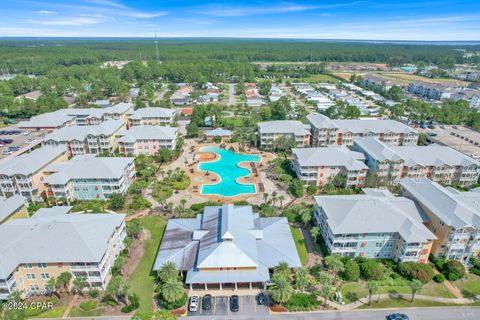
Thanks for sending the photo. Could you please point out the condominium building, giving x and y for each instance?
(24, 174)
(454, 217)
(152, 116)
(432, 91)
(374, 225)
(228, 246)
(270, 131)
(377, 82)
(146, 139)
(54, 241)
(327, 132)
(78, 116)
(320, 166)
(94, 139)
(13, 207)
(88, 177)
(439, 163)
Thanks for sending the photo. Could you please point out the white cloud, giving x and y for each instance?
(45, 12)
(73, 21)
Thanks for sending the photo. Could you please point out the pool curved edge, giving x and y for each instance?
(220, 177)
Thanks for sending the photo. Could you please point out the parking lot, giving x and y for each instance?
(221, 307)
(19, 140)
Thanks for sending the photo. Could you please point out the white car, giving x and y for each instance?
(30, 141)
(7, 152)
(26, 133)
(193, 306)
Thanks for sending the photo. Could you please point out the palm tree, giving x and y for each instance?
(324, 278)
(182, 203)
(325, 291)
(52, 286)
(281, 198)
(168, 271)
(63, 280)
(372, 288)
(284, 269)
(280, 288)
(265, 197)
(79, 283)
(315, 232)
(301, 278)
(306, 216)
(415, 285)
(335, 265)
(274, 199)
(172, 290)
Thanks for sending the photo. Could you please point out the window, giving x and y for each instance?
(30, 276)
(20, 280)
(45, 276)
(42, 265)
(27, 266)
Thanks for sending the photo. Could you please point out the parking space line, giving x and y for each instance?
(240, 304)
(214, 304)
(255, 304)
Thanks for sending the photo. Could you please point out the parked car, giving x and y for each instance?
(397, 316)
(2, 143)
(6, 152)
(431, 134)
(455, 127)
(28, 141)
(14, 148)
(431, 126)
(261, 299)
(423, 126)
(26, 133)
(234, 303)
(193, 306)
(7, 141)
(207, 302)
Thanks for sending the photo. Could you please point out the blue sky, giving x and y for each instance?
(333, 19)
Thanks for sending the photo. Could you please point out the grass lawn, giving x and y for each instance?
(469, 286)
(77, 312)
(352, 291)
(56, 312)
(300, 244)
(402, 303)
(142, 279)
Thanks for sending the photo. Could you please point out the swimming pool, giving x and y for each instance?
(227, 168)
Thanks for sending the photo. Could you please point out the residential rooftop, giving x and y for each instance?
(432, 155)
(153, 112)
(80, 133)
(147, 133)
(30, 163)
(359, 126)
(455, 208)
(284, 126)
(330, 156)
(87, 166)
(376, 211)
(10, 205)
(53, 239)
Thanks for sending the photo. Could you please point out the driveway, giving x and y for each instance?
(231, 94)
(221, 307)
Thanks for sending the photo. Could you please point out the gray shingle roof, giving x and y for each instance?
(147, 133)
(29, 163)
(227, 236)
(10, 205)
(87, 167)
(375, 212)
(331, 156)
(359, 126)
(80, 133)
(432, 155)
(284, 126)
(457, 209)
(61, 238)
(153, 112)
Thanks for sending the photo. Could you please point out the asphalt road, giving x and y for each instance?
(447, 313)
(231, 94)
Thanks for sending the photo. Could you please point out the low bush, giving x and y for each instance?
(371, 269)
(93, 293)
(454, 270)
(302, 301)
(351, 271)
(175, 305)
(439, 278)
(419, 271)
(88, 305)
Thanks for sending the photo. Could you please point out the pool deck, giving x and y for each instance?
(195, 173)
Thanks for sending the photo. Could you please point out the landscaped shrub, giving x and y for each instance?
(88, 305)
(419, 271)
(134, 304)
(454, 270)
(311, 189)
(176, 305)
(371, 269)
(93, 293)
(439, 263)
(351, 271)
(439, 278)
(302, 301)
(475, 265)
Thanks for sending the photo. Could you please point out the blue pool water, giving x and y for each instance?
(229, 171)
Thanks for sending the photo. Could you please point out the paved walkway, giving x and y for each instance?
(453, 289)
(313, 257)
(69, 307)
